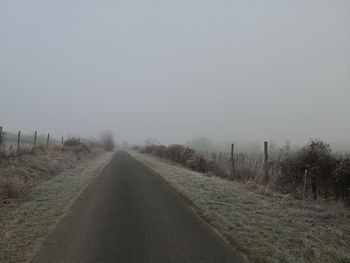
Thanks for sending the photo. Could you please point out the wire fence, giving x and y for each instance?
(16, 143)
(247, 165)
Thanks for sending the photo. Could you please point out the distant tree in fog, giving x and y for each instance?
(107, 141)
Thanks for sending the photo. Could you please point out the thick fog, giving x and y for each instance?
(177, 70)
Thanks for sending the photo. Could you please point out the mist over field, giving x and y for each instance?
(228, 71)
(224, 125)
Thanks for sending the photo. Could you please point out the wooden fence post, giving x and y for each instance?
(232, 160)
(18, 142)
(35, 134)
(48, 140)
(265, 162)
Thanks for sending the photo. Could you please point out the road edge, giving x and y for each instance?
(65, 210)
(198, 212)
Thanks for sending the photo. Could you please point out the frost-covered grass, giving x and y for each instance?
(18, 173)
(262, 225)
(23, 223)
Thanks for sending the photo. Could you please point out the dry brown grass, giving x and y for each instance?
(11, 188)
(19, 173)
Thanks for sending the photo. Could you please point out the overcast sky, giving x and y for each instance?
(175, 70)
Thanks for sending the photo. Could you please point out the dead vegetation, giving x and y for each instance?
(24, 222)
(259, 222)
(17, 173)
(184, 156)
(36, 187)
(292, 208)
(312, 171)
(11, 188)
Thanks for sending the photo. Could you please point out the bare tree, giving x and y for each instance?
(107, 141)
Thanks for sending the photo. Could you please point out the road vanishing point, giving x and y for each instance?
(129, 214)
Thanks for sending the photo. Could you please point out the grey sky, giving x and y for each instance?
(174, 70)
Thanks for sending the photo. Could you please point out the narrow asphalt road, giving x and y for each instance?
(128, 214)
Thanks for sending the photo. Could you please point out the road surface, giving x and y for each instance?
(129, 214)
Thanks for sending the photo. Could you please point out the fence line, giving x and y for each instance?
(245, 165)
(14, 144)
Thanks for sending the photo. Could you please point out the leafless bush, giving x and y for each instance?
(174, 153)
(311, 167)
(179, 154)
(198, 163)
(11, 188)
(341, 178)
(311, 171)
(72, 142)
(160, 150)
(75, 145)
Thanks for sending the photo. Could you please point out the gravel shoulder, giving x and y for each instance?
(24, 223)
(264, 226)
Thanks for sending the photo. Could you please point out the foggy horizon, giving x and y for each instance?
(229, 71)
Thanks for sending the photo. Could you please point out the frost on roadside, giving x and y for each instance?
(23, 223)
(264, 227)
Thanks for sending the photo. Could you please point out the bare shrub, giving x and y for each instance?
(312, 166)
(198, 163)
(159, 151)
(341, 177)
(82, 148)
(179, 154)
(75, 145)
(11, 188)
(187, 154)
(311, 171)
(174, 152)
(72, 142)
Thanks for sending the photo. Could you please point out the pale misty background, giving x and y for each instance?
(176, 70)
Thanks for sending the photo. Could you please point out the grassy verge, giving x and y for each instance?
(263, 225)
(18, 173)
(25, 221)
